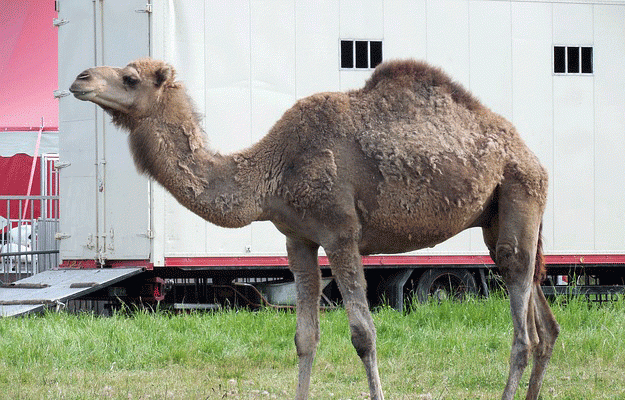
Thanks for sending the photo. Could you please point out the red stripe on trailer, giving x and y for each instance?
(90, 264)
(28, 128)
(428, 260)
(79, 264)
(372, 261)
(226, 261)
(323, 260)
(585, 259)
(130, 263)
(263, 261)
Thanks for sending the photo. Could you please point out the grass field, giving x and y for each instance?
(446, 351)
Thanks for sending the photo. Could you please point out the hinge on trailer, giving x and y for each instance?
(59, 22)
(61, 164)
(111, 246)
(61, 236)
(149, 234)
(90, 245)
(147, 9)
(61, 93)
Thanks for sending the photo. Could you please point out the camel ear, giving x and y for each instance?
(164, 74)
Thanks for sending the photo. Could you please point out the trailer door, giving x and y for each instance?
(105, 211)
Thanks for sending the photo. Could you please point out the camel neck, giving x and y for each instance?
(209, 184)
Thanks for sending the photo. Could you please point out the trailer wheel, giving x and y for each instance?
(442, 284)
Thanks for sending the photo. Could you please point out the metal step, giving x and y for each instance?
(54, 288)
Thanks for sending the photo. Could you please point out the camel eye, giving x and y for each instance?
(130, 81)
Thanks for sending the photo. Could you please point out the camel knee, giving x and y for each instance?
(520, 353)
(361, 327)
(306, 341)
(547, 342)
(363, 339)
(513, 260)
(507, 253)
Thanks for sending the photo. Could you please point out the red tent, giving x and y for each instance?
(28, 77)
(28, 65)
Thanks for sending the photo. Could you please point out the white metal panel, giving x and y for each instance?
(185, 232)
(448, 37)
(77, 189)
(573, 120)
(76, 34)
(361, 19)
(267, 240)
(317, 49)
(229, 103)
(76, 133)
(227, 241)
(572, 24)
(208, 43)
(228, 94)
(532, 90)
(448, 47)
(77, 224)
(490, 61)
(184, 27)
(252, 44)
(609, 71)
(273, 63)
(125, 206)
(157, 210)
(573, 175)
(105, 203)
(186, 50)
(405, 29)
(491, 55)
(353, 79)
(273, 87)
(159, 44)
(247, 62)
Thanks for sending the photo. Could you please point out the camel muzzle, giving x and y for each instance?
(80, 88)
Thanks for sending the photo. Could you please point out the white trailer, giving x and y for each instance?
(554, 68)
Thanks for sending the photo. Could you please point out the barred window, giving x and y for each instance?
(572, 60)
(360, 54)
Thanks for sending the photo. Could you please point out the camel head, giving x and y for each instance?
(131, 92)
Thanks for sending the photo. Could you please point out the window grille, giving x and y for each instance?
(360, 54)
(572, 60)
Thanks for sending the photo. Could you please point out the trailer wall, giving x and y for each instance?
(245, 63)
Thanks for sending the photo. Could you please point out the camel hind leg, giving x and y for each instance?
(513, 241)
(548, 330)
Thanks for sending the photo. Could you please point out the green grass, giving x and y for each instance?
(450, 351)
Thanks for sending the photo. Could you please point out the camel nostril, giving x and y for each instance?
(83, 76)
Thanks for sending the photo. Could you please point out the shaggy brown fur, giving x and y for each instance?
(406, 162)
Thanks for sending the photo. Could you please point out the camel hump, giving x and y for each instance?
(419, 75)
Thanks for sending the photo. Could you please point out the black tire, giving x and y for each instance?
(441, 284)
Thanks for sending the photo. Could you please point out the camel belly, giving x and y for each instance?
(408, 234)
(404, 217)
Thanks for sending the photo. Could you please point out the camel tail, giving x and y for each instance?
(540, 269)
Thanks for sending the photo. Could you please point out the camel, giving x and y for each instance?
(406, 162)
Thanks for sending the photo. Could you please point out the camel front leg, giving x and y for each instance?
(347, 269)
(303, 263)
